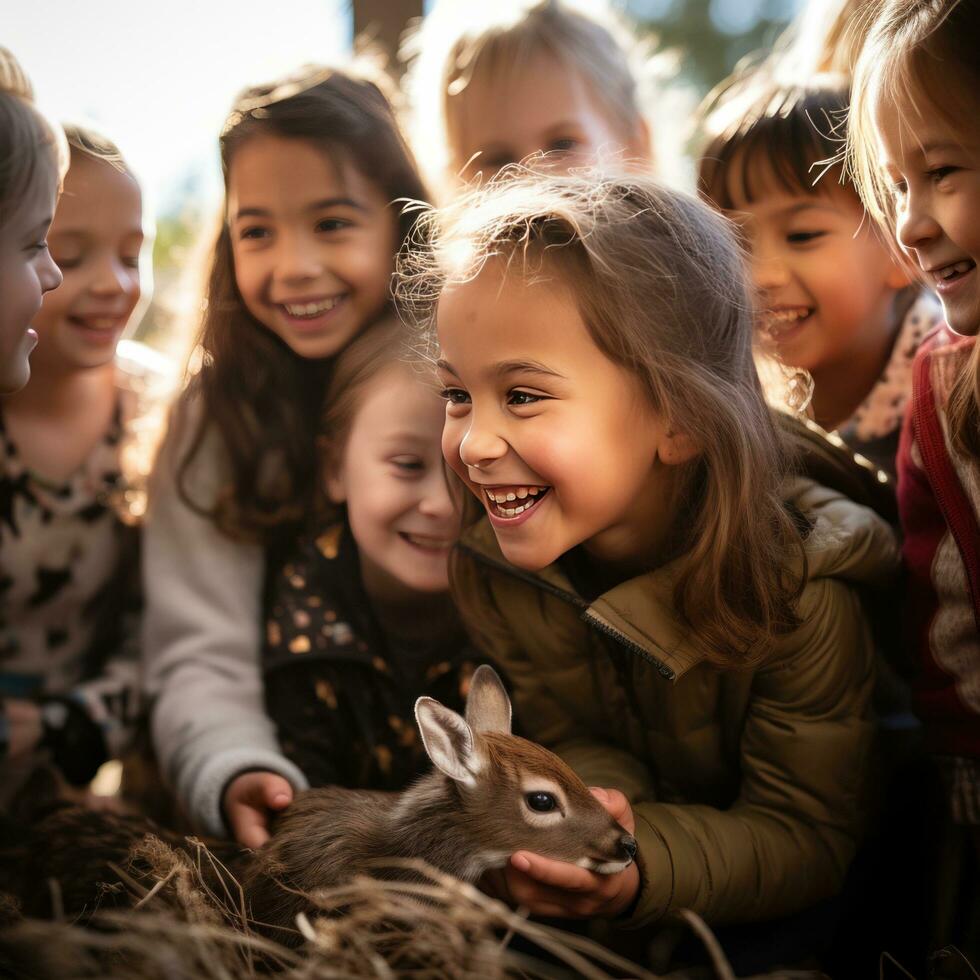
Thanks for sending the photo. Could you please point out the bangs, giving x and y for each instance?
(790, 140)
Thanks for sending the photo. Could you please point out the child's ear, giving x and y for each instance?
(676, 448)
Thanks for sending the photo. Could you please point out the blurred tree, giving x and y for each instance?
(713, 35)
(382, 21)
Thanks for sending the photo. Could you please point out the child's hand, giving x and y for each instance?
(560, 890)
(248, 801)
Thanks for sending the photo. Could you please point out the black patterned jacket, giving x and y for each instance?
(341, 694)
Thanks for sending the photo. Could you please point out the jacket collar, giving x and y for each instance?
(639, 613)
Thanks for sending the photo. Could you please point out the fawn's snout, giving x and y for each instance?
(515, 794)
(624, 851)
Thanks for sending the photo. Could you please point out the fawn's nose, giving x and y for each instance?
(628, 843)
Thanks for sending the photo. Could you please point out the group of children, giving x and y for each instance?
(524, 427)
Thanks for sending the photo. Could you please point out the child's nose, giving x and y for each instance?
(768, 270)
(297, 260)
(481, 446)
(50, 275)
(437, 499)
(914, 226)
(112, 277)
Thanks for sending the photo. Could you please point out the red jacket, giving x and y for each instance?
(938, 501)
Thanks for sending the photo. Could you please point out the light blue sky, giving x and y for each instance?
(158, 77)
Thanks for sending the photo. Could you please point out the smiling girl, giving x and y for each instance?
(70, 482)
(31, 167)
(678, 617)
(831, 297)
(314, 168)
(492, 84)
(359, 622)
(915, 147)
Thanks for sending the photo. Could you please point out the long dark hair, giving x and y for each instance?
(263, 398)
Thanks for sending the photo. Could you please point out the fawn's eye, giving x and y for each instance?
(541, 802)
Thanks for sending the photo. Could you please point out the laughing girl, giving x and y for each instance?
(71, 481)
(678, 616)
(314, 168)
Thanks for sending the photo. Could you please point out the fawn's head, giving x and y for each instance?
(514, 794)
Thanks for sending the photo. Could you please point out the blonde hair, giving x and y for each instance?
(914, 54)
(85, 140)
(461, 46)
(661, 286)
(825, 38)
(29, 145)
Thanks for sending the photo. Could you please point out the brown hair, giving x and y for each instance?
(758, 130)
(29, 145)
(263, 398)
(454, 51)
(370, 353)
(661, 286)
(920, 54)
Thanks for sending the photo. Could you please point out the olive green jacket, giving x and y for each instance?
(748, 786)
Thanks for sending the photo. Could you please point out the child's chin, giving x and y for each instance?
(528, 560)
(964, 323)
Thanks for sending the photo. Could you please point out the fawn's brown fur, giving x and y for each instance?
(491, 793)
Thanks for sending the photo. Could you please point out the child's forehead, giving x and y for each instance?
(36, 206)
(919, 127)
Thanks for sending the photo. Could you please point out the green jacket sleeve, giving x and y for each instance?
(788, 839)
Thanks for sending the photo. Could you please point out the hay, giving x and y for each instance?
(190, 918)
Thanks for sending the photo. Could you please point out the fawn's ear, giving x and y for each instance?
(487, 704)
(448, 741)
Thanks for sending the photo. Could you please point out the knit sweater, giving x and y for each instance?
(939, 504)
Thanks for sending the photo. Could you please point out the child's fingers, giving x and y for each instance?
(557, 874)
(540, 899)
(277, 792)
(617, 806)
(249, 826)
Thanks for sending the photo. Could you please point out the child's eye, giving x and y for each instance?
(332, 224)
(563, 145)
(131, 261)
(802, 237)
(900, 188)
(455, 396)
(523, 398)
(37, 247)
(409, 464)
(938, 173)
(253, 232)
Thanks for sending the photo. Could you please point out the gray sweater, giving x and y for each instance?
(202, 637)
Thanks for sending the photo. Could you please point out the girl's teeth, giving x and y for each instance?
(500, 498)
(788, 316)
(955, 270)
(311, 309)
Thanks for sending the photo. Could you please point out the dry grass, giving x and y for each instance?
(191, 919)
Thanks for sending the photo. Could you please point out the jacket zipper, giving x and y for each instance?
(600, 626)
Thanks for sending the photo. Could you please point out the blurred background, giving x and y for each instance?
(158, 78)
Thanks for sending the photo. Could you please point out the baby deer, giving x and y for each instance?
(490, 794)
